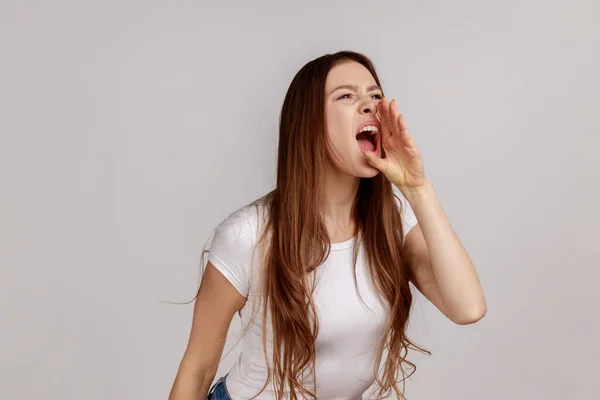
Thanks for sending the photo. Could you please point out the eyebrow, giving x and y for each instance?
(355, 88)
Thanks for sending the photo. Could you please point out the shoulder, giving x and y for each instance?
(242, 223)
(233, 243)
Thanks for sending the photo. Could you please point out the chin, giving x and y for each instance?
(357, 166)
(366, 171)
(371, 173)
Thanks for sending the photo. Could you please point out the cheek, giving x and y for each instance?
(339, 122)
(339, 127)
(340, 140)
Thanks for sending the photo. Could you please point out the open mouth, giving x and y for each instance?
(368, 138)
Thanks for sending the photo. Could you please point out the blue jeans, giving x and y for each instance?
(219, 390)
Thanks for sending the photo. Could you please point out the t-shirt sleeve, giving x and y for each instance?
(409, 219)
(231, 251)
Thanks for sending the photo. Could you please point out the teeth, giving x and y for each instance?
(369, 128)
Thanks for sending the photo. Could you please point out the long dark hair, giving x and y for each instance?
(298, 241)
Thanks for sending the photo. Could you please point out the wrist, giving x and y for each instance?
(417, 193)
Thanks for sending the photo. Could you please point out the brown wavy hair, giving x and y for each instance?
(294, 242)
(298, 241)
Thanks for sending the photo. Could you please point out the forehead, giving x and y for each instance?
(349, 72)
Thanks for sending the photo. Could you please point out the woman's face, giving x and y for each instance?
(351, 97)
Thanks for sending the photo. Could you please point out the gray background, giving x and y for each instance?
(130, 129)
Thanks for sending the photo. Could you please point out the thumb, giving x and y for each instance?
(374, 160)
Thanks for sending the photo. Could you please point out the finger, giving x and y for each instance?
(403, 131)
(378, 115)
(394, 114)
(388, 115)
(400, 126)
(381, 113)
(387, 118)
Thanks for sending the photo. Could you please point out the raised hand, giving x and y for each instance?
(402, 164)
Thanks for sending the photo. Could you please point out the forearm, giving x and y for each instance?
(452, 268)
(188, 386)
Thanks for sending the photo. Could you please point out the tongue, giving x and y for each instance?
(365, 145)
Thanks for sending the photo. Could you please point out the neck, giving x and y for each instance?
(338, 195)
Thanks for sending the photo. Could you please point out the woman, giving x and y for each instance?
(329, 253)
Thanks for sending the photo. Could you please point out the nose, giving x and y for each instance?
(368, 106)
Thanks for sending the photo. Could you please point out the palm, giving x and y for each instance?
(403, 165)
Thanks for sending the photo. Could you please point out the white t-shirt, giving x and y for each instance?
(348, 331)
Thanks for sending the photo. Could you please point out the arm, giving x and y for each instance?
(443, 270)
(215, 306)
